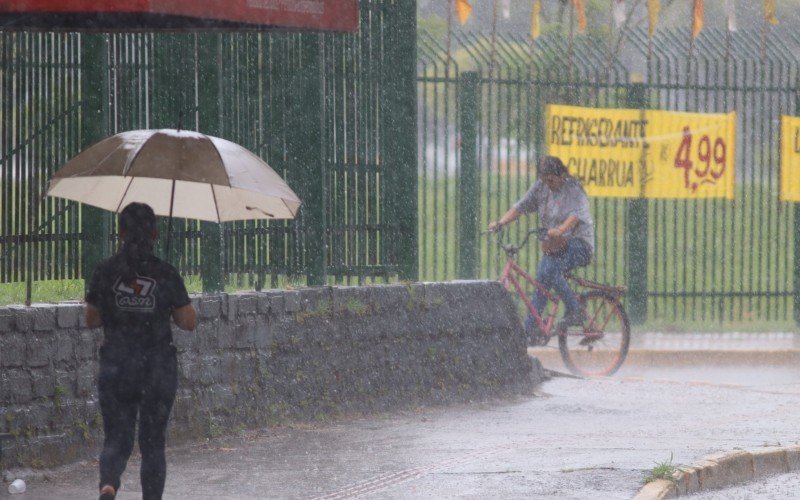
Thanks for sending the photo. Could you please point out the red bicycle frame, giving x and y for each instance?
(509, 276)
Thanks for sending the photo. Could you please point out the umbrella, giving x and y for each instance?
(178, 173)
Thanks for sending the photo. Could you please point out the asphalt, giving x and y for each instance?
(679, 397)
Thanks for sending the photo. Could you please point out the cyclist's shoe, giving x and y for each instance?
(571, 319)
(534, 335)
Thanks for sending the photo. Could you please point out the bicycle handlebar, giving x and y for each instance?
(511, 249)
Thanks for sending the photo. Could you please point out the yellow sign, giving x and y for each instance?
(790, 158)
(687, 155)
(602, 148)
(690, 155)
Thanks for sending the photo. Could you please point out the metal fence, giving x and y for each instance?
(317, 107)
(398, 181)
(481, 109)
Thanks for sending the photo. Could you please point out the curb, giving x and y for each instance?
(723, 469)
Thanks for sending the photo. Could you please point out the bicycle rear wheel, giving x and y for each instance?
(600, 347)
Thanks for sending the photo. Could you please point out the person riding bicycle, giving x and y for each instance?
(563, 209)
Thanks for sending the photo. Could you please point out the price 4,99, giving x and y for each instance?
(711, 164)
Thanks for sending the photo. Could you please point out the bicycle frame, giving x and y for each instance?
(510, 273)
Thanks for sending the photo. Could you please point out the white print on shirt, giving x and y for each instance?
(137, 295)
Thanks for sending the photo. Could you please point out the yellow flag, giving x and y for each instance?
(769, 12)
(653, 7)
(581, 11)
(463, 9)
(697, 18)
(536, 25)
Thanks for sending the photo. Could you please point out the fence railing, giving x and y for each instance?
(317, 107)
(336, 115)
(481, 131)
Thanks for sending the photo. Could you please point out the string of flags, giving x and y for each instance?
(619, 14)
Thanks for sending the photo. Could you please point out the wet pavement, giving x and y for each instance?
(576, 439)
(782, 487)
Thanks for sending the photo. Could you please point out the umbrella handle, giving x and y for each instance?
(169, 222)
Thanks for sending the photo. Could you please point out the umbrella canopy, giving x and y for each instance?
(178, 173)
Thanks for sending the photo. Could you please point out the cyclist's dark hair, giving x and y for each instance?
(137, 224)
(551, 165)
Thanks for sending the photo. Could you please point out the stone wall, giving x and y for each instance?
(261, 358)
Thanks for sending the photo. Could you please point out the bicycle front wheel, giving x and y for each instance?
(599, 348)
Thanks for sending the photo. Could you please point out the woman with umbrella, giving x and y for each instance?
(132, 295)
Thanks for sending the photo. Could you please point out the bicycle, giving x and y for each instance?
(599, 347)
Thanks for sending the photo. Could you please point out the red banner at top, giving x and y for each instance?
(178, 15)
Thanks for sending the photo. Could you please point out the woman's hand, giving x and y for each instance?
(565, 226)
(495, 226)
(185, 317)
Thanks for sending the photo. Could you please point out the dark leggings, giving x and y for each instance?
(134, 382)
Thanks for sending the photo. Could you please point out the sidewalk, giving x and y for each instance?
(728, 341)
(581, 439)
(774, 349)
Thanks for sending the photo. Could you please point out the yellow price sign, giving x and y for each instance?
(685, 155)
(691, 155)
(790, 158)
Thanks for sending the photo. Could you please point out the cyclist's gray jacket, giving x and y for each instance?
(555, 206)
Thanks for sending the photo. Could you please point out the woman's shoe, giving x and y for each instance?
(107, 492)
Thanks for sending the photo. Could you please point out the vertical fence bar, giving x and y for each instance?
(399, 119)
(637, 233)
(469, 189)
(307, 119)
(94, 126)
(209, 90)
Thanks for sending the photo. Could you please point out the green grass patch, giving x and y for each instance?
(662, 470)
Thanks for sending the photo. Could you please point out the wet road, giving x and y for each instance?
(577, 439)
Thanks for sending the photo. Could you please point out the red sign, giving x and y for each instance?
(178, 15)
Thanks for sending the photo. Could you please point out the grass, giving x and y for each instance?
(663, 470)
(715, 263)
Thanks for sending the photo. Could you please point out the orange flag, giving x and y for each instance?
(697, 18)
(653, 7)
(581, 10)
(769, 12)
(463, 9)
(536, 23)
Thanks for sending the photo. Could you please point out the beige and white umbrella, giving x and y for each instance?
(180, 174)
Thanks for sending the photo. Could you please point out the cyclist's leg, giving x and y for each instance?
(549, 266)
(575, 255)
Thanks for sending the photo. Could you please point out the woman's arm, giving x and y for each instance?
(92, 315)
(185, 317)
(510, 216)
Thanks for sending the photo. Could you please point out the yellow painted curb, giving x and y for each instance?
(724, 469)
(657, 490)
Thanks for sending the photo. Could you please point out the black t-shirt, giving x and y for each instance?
(137, 314)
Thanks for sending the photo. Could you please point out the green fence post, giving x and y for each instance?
(399, 101)
(209, 60)
(468, 189)
(306, 117)
(797, 263)
(637, 234)
(96, 227)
